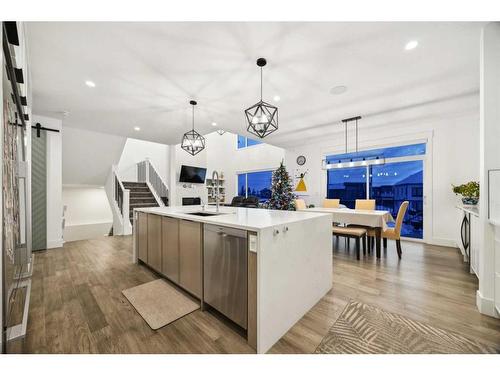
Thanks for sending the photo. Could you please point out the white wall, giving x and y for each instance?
(179, 157)
(88, 214)
(224, 156)
(136, 150)
(453, 158)
(88, 156)
(54, 180)
(489, 159)
(221, 154)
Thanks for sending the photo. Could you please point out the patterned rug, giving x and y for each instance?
(365, 329)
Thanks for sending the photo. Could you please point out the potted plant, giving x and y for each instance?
(469, 192)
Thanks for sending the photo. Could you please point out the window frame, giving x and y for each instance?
(427, 176)
(246, 146)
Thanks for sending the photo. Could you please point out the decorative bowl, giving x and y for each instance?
(470, 201)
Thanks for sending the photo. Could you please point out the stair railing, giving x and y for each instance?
(121, 197)
(146, 172)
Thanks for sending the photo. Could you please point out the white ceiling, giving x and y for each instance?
(146, 73)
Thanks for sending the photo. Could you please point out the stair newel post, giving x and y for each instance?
(126, 204)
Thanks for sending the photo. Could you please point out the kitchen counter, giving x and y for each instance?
(288, 266)
(235, 217)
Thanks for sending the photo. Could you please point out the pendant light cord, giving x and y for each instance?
(345, 127)
(261, 83)
(193, 116)
(356, 136)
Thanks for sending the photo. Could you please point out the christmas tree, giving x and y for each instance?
(282, 197)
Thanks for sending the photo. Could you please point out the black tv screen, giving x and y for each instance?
(192, 175)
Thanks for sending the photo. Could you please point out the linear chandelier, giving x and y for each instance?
(192, 141)
(351, 162)
(262, 117)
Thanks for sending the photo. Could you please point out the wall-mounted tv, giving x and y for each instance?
(192, 175)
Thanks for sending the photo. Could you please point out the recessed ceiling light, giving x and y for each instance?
(136, 128)
(276, 98)
(214, 124)
(90, 83)
(412, 44)
(337, 90)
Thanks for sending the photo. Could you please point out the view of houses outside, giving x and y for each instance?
(394, 183)
(389, 184)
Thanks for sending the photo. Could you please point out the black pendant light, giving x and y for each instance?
(221, 132)
(262, 117)
(192, 141)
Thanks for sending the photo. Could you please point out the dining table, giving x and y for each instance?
(376, 219)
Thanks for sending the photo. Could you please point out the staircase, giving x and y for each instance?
(140, 196)
(149, 190)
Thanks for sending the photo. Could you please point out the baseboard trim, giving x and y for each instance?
(442, 242)
(54, 244)
(486, 306)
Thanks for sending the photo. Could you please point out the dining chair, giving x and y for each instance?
(251, 202)
(393, 233)
(237, 201)
(364, 204)
(352, 232)
(331, 203)
(300, 204)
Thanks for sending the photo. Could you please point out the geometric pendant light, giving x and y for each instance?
(262, 117)
(192, 141)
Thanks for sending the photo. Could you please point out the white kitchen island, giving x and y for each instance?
(289, 259)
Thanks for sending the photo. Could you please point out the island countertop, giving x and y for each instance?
(236, 217)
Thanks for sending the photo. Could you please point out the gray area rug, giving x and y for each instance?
(366, 329)
(160, 303)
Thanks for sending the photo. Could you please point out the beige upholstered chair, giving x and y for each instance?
(352, 232)
(365, 204)
(331, 203)
(394, 233)
(300, 204)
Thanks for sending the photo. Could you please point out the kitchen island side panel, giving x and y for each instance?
(294, 272)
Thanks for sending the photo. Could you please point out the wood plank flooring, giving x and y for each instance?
(77, 305)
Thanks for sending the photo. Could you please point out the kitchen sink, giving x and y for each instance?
(201, 213)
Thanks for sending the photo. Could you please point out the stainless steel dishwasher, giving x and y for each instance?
(225, 271)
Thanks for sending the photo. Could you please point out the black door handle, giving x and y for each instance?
(462, 233)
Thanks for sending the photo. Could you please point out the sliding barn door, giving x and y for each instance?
(39, 189)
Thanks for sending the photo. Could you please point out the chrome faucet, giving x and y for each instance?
(215, 181)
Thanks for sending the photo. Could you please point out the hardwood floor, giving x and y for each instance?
(77, 305)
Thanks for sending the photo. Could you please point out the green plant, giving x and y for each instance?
(468, 190)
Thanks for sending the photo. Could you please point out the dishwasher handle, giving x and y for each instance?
(225, 231)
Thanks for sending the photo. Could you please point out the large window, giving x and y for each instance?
(399, 179)
(257, 184)
(246, 142)
(347, 184)
(392, 184)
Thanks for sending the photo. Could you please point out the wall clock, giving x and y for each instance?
(301, 160)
